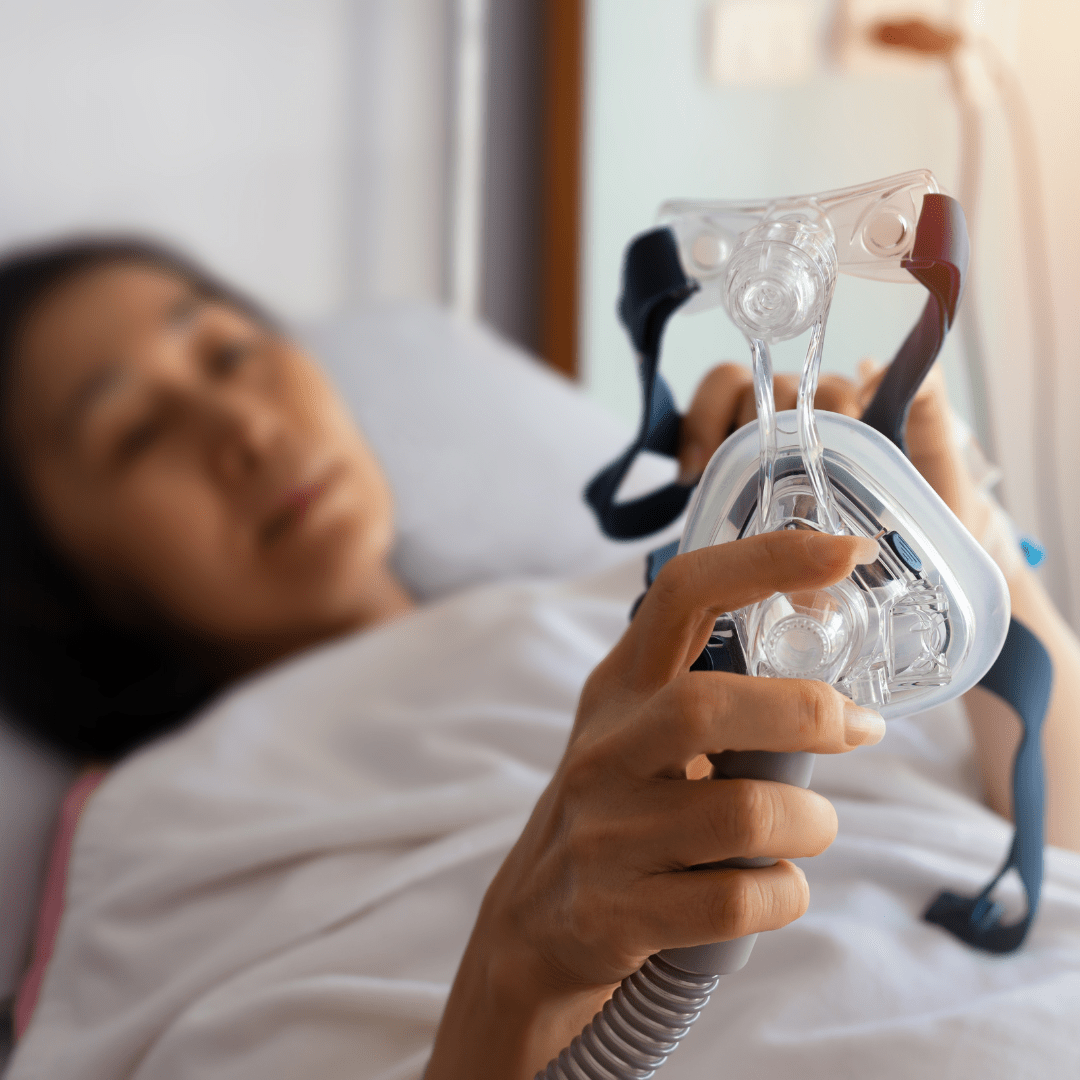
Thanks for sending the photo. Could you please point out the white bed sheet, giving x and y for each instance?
(283, 889)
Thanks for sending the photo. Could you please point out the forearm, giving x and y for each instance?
(996, 729)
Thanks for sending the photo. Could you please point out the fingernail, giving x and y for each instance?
(867, 550)
(862, 727)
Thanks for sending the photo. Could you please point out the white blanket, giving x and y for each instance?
(283, 889)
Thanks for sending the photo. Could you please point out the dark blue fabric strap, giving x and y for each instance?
(939, 262)
(654, 286)
(1022, 676)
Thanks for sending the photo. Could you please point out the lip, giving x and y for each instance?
(296, 504)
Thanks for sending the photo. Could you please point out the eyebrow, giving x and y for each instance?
(101, 383)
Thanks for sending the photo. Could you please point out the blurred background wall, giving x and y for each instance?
(220, 124)
(496, 155)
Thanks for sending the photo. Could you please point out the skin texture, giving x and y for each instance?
(198, 470)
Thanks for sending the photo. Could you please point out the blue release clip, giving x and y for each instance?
(1034, 552)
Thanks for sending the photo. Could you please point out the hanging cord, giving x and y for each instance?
(969, 317)
(1040, 281)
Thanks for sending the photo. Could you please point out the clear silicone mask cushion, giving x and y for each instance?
(924, 622)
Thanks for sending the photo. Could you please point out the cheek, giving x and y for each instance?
(171, 540)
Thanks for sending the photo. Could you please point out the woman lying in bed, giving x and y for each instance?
(285, 886)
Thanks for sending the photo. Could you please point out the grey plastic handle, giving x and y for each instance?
(724, 957)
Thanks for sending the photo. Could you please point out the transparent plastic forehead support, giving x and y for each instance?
(773, 265)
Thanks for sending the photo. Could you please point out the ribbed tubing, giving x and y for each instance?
(642, 1023)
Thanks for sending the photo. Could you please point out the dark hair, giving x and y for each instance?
(70, 675)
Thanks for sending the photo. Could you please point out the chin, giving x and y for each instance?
(332, 572)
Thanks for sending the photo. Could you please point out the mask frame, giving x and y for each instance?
(906, 639)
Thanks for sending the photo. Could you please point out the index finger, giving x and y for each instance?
(676, 617)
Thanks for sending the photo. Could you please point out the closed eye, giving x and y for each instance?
(229, 356)
(138, 438)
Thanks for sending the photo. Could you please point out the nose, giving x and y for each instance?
(245, 432)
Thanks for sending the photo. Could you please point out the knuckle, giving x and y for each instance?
(691, 702)
(585, 769)
(585, 841)
(833, 384)
(739, 906)
(727, 373)
(670, 584)
(600, 918)
(750, 818)
(588, 917)
(695, 419)
(681, 583)
(596, 687)
(750, 902)
(819, 712)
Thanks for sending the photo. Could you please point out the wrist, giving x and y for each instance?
(505, 1016)
(996, 534)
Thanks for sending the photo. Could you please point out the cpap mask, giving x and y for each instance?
(918, 627)
(899, 635)
(924, 623)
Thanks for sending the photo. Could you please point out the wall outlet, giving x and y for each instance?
(853, 48)
(762, 42)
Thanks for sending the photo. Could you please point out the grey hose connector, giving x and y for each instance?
(652, 1010)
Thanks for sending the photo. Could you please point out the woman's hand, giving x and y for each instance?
(933, 444)
(724, 401)
(600, 877)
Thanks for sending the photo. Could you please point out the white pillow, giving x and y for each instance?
(487, 453)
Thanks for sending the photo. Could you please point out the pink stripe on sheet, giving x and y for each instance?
(51, 908)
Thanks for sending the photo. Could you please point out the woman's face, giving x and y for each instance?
(195, 467)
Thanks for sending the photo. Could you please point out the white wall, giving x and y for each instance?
(397, 139)
(297, 145)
